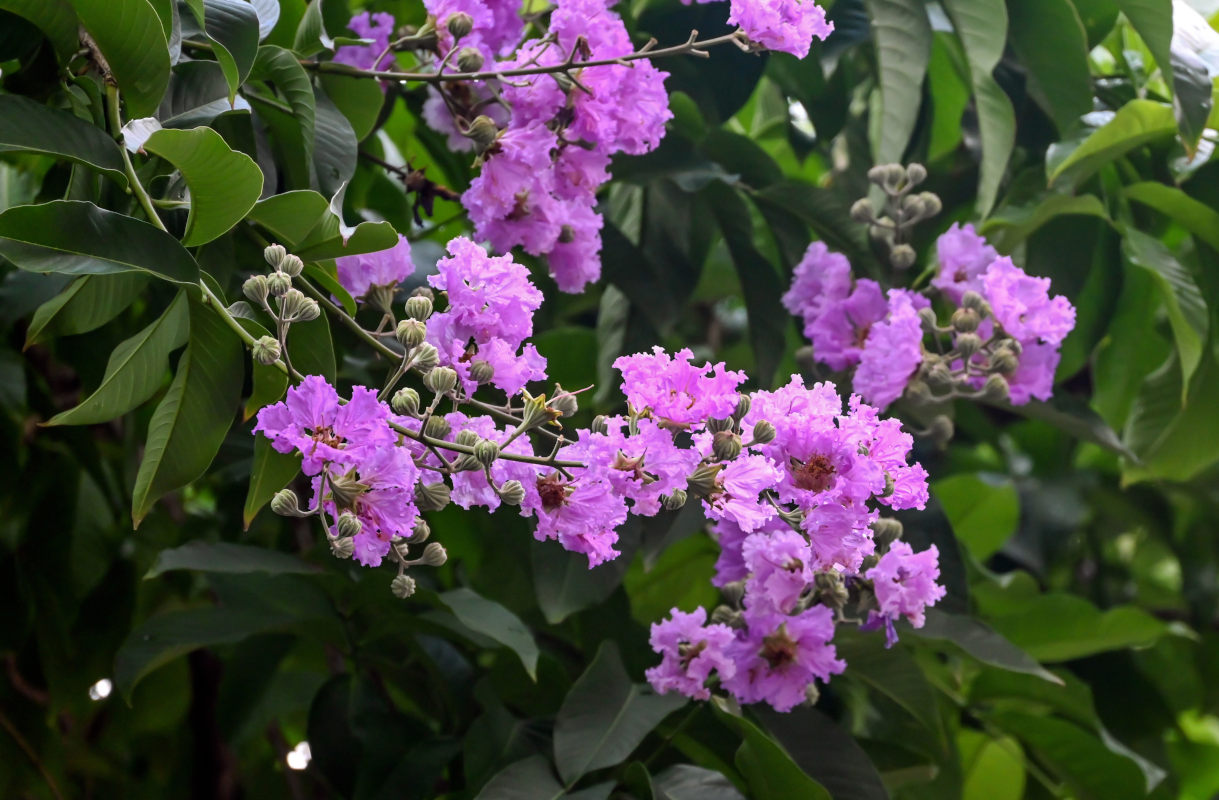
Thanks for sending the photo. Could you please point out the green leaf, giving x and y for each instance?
(270, 472)
(688, 782)
(491, 619)
(75, 238)
(130, 36)
(981, 26)
(55, 18)
(135, 371)
(224, 184)
(359, 99)
(564, 584)
(88, 303)
(1137, 123)
(1011, 225)
(826, 212)
(227, 557)
(994, 768)
(1172, 442)
(1061, 627)
(1072, 415)
(826, 751)
(769, 770)
(1052, 44)
(528, 779)
(195, 415)
(311, 34)
(893, 672)
(1153, 21)
(902, 34)
(1194, 216)
(26, 126)
(604, 717)
(334, 146)
(312, 348)
(232, 27)
(304, 223)
(1187, 313)
(980, 641)
(984, 512)
(284, 70)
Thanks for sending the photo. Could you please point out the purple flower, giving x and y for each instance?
(583, 514)
(1022, 305)
(785, 25)
(511, 201)
(893, 351)
(381, 483)
(378, 28)
(691, 650)
(821, 280)
(575, 258)
(470, 487)
(358, 274)
(781, 656)
(839, 334)
(641, 467)
(1034, 377)
(780, 569)
(738, 492)
(964, 257)
(905, 582)
(677, 391)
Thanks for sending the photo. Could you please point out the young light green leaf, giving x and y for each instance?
(983, 512)
(1137, 123)
(135, 371)
(195, 415)
(88, 303)
(55, 18)
(76, 238)
(130, 36)
(27, 126)
(228, 557)
(491, 619)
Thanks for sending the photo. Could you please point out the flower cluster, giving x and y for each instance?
(1005, 330)
(376, 28)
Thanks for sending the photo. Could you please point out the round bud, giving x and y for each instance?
(996, 388)
(434, 555)
(342, 548)
(432, 496)
(938, 377)
(278, 284)
(968, 344)
(567, 234)
(941, 429)
(1004, 361)
(917, 392)
(886, 531)
(459, 24)
(482, 132)
(410, 333)
(467, 437)
(928, 318)
(811, 695)
(965, 320)
(274, 253)
(291, 302)
(481, 371)
(912, 208)
(309, 311)
(725, 615)
(600, 425)
(763, 432)
(902, 256)
(421, 531)
(256, 289)
(973, 301)
(878, 173)
(349, 524)
(469, 59)
(418, 307)
(286, 503)
(426, 356)
(932, 204)
(564, 402)
(402, 586)
(861, 210)
(436, 427)
(733, 592)
(869, 562)
(291, 266)
(916, 174)
(440, 380)
(743, 404)
(265, 350)
(675, 500)
(486, 452)
(512, 492)
(405, 401)
(726, 445)
(424, 291)
(831, 589)
(717, 425)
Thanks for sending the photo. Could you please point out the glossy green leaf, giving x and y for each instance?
(980, 641)
(282, 68)
(303, 222)
(768, 769)
(1011, 225)
(270, 472)
(312, 348)
(359, 99)
(902, 34)
(1061, 627)
(825, 750)
(232, 28)
(130, 36)
(26, 126)
(1173, 440)
(1137, 123)
(893, 672)
(89, 302)
(994, 768)
(604, 717)
(491, 619)
(983, 512)
(311, 35)
(1153, 21)
(1053, 46)
(76, 238)
(334, 146)
(135, 371)
(531, 778)
(564, 584)
(1195, 216)
(827, 212)
(1071, 415)
(224, 184)
(228, 557)
(55, 18)
(193, 418)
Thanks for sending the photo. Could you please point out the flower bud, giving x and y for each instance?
(941, 429)
(831, 590)
(342, 548)
(286, 503)
(434, 555)
(968, 344)
(764, 432)
(912, 208)
(726, 445)
(743, 404)
(1004, 361)
(481, 371)
(274, 253)
(928, 318)
(965, 320)
(265, 350)
(418, 308)
(725, 615)
(425, 356)
(436, 427)
(460, 24)
(405, 401)
(879, 173)
(410, 333)
(719, 425)
(932, 204)
(349, 524)
(421, 531)
(916, 174)
(917, 392)
(600, 425)
(512, 492)
(675, 500)
(440, 380)
(309, 311)
(902, 256)
(467, 437)
(938, 377)
(973, 301)
(702, 483)
(869, 562)
(996, 389)
(811, 695)
(278, 284)
(482, 132)
(469, 59)
(886, 531)
(861, 210)
(564, 402)
(734, 593)
(256, 289)
(402, 586)
(291, 266)
(486, 452)
(432, 496)
(345, 489)
(291, 303)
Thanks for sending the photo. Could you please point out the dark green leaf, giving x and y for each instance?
(334, 146)
(903, 49)
(304, 223)
(232, 27)
(55, 18)
(26, 126)
(270, 472)
(769, 770)
(1195, 216)
(130, 36)
(827, 212)
(1137, 123)
(826, 751)
(227, 557)
(359, 99)
(529, 779)
(688, 782)
(1173, 440)
(1061, 627)
(1072, 415)
(491, 619)
(981, 642)
(282, 68)
(1050, 40)
(1011, 225)
(88, 303)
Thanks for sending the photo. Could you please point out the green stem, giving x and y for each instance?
(116, 130)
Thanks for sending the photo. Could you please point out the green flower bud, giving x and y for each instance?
(265, 350)
(403, 586)
(278, 284)
(916, 174)
(743, 404)
(309, 311)
(482, 132)
(469, 59)
(726, 445)
(286, 504)
(345, 490)
(440, 380)
(902, 256)
(405, 401)
(968, 344)
(512, 492)
(938, 377)
(467, 437)
(291, 266)
(725, 615)
(291, 303)
(702, 482)
(869, 562)
(425, 356)
(481, 371)
(600, 425)
(274, 253)
(486, 452)
(256, 289)
(879, 173)
(996, 388)
(886, 531)
(564, 402)
(932, 204)
(912, 208)
(974, 301)
(418, 308)
(928, 318)
(734, 593)
(831, 590)
(675, 500)
(965, 320)
(917, 392)
(460, 24)
(342, 548)
(763, 432)
(436, 427)
(811, 695)
(349, 524)
(861, 210)
(421, 531)
(434, 555)
(941, 430)
(432, 496)
(410, 333)
(1004, 361)
(719, 425)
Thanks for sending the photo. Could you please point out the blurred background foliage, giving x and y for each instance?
(1076, 654)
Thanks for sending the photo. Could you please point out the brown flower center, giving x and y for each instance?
(553, 492)
(326, 435)
(778, 649)
(816, 474)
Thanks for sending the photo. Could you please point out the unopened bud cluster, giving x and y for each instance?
(903, 209)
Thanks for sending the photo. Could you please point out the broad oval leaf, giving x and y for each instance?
(135, 371)
(983, 512)
(130, 36)
(902, 34)
(491, 619)
(88, 303)
(1137, 123)
(228, 557)
(76, 238)
(32, 127)
(233, 28)
(1053, 46)
(530, 778)
(980, 641)
(55, 18)
(224, 184)
(766, 766)
(304, 223)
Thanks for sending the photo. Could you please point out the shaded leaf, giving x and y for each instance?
(769, 770)
(491, 619)
(980, 641)
(55, 18)
(26, 126)
(130, 36)
(1137, 123)
(227, 557)
(902, 35)
(271, 471)
(88, 303)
